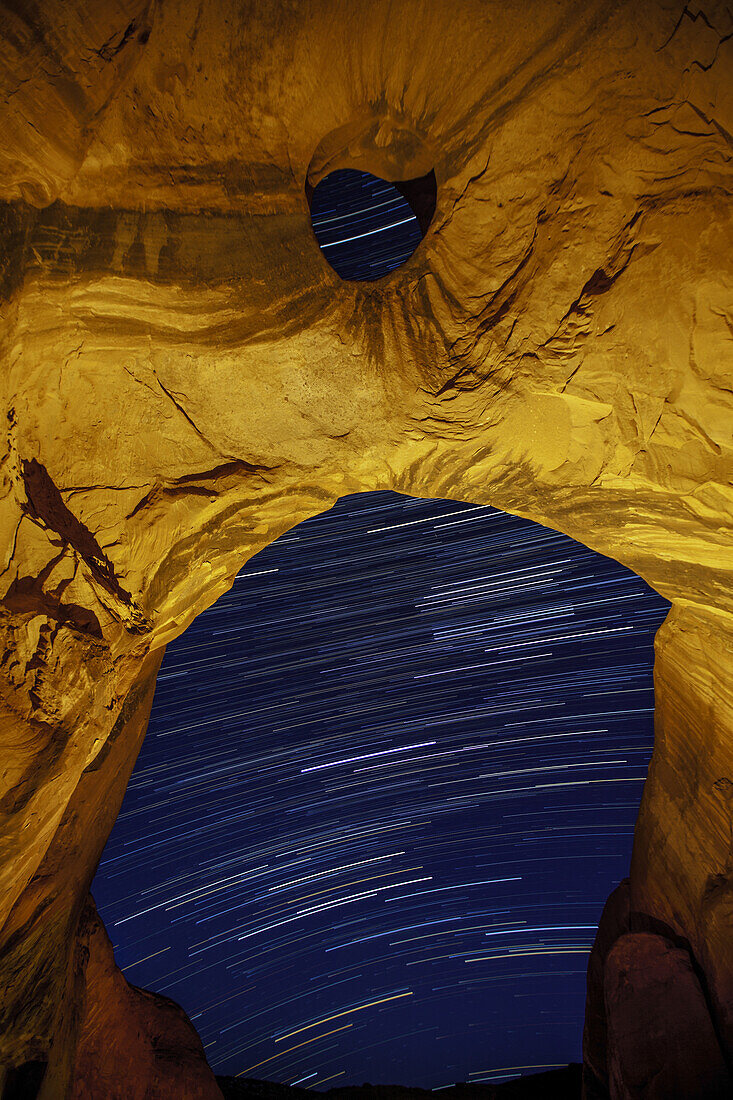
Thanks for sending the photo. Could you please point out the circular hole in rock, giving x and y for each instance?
(367, 227)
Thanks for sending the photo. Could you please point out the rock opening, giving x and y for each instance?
(393, 773)
(366, 226)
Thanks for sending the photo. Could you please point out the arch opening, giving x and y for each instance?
(367, 227)
(394, 836)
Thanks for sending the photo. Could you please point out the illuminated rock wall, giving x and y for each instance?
(184, 377)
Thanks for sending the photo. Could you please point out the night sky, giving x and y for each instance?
(363, 224)
(389, 780)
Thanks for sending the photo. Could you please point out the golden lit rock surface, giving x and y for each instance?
(184, 377)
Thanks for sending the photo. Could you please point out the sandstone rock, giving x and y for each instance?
(613, 924)
(662, 1045)
(60, 65)
(682, 870)
(184, 377)
(132, 1045)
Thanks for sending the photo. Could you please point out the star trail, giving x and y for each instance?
(364, 226)
(388, 783)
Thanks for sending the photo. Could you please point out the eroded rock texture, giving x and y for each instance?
(184, 377)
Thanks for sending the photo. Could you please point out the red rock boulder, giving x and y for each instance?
(133, 1045)
(661, 1040)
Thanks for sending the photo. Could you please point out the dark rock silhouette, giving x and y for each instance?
(661, 1041)
(614, 923)
(556, 1084)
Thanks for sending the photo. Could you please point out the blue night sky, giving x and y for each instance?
(364, 226)
(399, 762)
(388, 783)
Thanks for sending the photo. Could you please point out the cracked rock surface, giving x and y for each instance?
(184, 377)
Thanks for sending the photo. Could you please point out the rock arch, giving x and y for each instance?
(184, 377)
